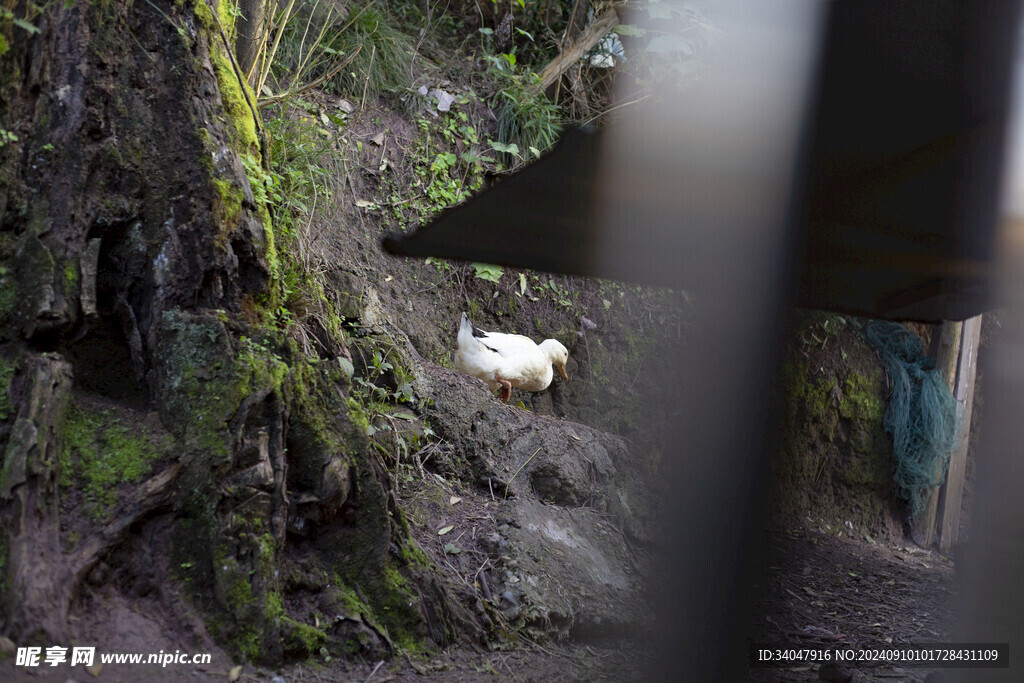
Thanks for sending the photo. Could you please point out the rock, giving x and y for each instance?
(573, 507)
(574, 580)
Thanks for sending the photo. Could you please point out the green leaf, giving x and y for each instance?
(445, 530)
(451, 549)
(486, 31)
(629, 30)
(487, 271)
(519, 30)
(28, 26)
(512, 148)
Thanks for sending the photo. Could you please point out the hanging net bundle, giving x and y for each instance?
(921, 416)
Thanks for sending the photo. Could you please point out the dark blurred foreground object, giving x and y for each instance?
(844, 156)
(900, 186)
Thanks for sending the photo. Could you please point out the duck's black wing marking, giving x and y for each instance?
(481, 336)
(493, 349)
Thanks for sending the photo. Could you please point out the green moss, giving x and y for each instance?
(392, 604)
(228, 207)
(414, 556)
(301, 638)
(395, 604)
(205, 380)
(227, 19)
(205, 16)
(231, 90)
(244, 630)
(818, 397)
(358, 416)
(234, 99)
(71, 279)
(274, 608)
(208, 146)
(260, 366)
(812, 396)
(319, 429)
(100, 452)
(206, 374)
(4, 45)
(862, 398)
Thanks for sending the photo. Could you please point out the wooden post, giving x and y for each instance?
(945, 349)
(953, 487)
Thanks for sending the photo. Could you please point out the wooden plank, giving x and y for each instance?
(945, 349)
(953, 488)
(594, 33)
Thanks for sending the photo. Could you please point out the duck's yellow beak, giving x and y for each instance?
(561, 371)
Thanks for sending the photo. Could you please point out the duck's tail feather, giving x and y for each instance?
(465, 331)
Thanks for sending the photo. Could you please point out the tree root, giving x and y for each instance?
(153, 494)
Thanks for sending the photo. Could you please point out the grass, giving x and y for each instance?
(383, 65)
(299, 185)
(526, 118)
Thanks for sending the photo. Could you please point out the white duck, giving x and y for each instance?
(508, 360)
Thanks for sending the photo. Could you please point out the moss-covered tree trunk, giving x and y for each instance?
(141, 368)
(124, 208)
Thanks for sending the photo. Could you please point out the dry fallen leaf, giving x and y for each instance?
(235, 673)
(378, 139)
(445, 530)
(454, 499)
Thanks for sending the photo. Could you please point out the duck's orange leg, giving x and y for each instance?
(506, 388)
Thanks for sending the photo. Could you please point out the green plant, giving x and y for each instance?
(820, 329)
(291, 51)
(7, 137)
(448, 166)
(297, 185)
(486, 271)
(558, 293)
(382, 55)
(527, 120)
(24, 23)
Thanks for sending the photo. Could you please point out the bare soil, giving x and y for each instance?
(822, 590)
